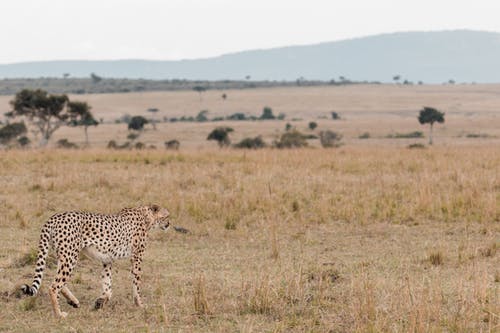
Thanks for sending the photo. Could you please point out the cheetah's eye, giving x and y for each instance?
(155, 208)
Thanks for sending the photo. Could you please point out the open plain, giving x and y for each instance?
(368, 237)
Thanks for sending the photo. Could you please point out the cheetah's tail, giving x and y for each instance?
(43, 250)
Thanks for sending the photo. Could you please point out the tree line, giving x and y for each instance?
(45, 113)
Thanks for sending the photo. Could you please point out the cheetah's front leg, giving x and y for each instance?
(136, 274)
(106, 286)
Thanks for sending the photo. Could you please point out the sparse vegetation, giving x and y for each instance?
(409, 135)
(430, 116)
(137, 123)
(12, 131)
(262, 227)
(291, 139)
(330, 139)
(335, 115)
(172, 144)
(267, 114)
(251, 143)
(312, 125)
(46, 113)
(221, 135)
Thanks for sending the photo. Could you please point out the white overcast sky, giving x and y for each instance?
(176, 29)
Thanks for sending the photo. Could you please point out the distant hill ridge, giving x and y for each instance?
(431, 57)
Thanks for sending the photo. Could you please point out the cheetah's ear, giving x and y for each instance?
(155, 208)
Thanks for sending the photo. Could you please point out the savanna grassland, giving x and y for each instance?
(353, 239)
(368, 237)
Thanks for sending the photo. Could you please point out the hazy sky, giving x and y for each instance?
(176, 29)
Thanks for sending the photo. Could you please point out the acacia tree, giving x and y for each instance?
(43, 111)
(80, 115)
(430, 116)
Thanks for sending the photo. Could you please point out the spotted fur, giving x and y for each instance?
(103, 237)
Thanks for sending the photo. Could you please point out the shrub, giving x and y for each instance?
(410, 135)
(251, 143)
(291, 139)
(137, 123)
(335, 115)
(64, 143)
(313, 125)
(202, 116)
(237, 116)
(416, 146)
(365, 135)
(113, 145)
(267, 113)
(329, 139)
(221, 135)
(12, 131)
(172, 144)
(23, 141)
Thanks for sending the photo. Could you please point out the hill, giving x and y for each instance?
(431, 57)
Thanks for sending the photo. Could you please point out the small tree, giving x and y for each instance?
(221, 135)
(313, 125)
(199, 90)
(80, 115)
(137, 123)
(429, 115)
(202, 116)
(335, 115)
(43, 111)
(267, 113)
(224, 96)
(396, 78)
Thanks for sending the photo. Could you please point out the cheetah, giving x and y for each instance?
(99, 236)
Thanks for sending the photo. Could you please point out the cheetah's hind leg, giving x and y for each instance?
(70, 298)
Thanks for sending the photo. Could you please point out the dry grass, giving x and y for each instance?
(342, 240)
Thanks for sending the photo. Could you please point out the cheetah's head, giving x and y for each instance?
(159, 217)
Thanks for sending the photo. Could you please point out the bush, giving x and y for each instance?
(291, 139)
(113, 145)
(410, 135)
(12, 131)
(202, 116)
(313, 125)
(23, 141)
(137, 123)
(65, 144)
(335, 115)
(172, 144)
(329, 139)
(237, 116)
(251, 143)
(221, 135)
(267, 113)
(365, 135)
(416, 146)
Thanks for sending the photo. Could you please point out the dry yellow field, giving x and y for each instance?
(368, 237)
(377, 109)
(354, 239)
